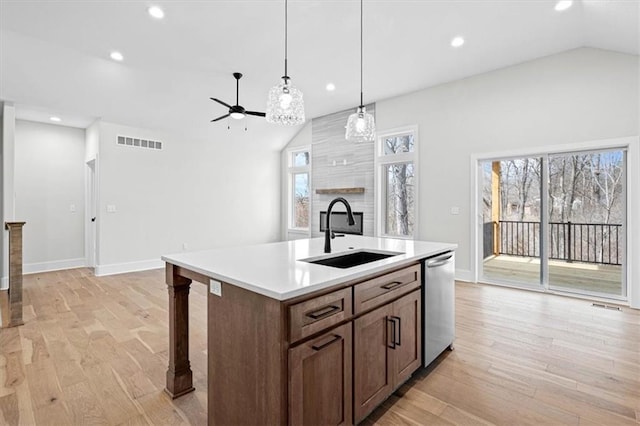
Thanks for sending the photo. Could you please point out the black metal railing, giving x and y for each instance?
(581, 242)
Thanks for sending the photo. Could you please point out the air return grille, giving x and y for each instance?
(138, 143)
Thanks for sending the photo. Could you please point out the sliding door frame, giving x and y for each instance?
(631, 237)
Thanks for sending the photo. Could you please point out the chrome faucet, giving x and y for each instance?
(328, 235)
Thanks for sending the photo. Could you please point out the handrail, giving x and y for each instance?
(598, 243)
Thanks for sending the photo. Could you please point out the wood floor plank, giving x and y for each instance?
(84, 406)
(9, 411)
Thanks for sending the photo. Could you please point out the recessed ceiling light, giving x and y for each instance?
(330, 87)
(156, 12)
(457, 41)
(563, 5)
(116, 56)
(56, 119)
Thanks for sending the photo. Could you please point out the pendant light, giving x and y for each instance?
(361, 126)
(284, 104)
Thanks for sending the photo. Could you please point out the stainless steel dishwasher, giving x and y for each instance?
(438, 305)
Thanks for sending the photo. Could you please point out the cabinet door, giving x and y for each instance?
(407, 316)
(320, 379)
(372, 360)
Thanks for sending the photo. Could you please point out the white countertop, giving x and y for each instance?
(275, 269)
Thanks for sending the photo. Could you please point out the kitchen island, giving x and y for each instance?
(291, 341)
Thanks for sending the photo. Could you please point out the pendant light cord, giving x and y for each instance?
(286, 76)
(361, 20)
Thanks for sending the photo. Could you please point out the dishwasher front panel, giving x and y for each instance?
(439, 305)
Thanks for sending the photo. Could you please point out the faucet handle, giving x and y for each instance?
(334, 235)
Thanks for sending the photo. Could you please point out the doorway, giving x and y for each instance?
(91, 215)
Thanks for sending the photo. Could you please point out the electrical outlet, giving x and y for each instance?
(185, 246)
(72, 208)
(215, 287)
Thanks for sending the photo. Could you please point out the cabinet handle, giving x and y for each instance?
(335, 338)
(392, 285)
(392, 345)
(323, 312)
(399, 334)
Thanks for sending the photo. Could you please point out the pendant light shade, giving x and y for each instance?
(285, 104)
(361, 126)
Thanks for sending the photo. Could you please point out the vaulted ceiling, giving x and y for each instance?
(54, 57)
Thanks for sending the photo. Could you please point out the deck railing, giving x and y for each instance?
(580, 242)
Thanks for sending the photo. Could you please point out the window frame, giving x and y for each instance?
(383, 160)
(292, 171)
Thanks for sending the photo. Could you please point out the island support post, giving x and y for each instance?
(179, 374)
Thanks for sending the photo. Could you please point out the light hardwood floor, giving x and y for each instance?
(94, 351)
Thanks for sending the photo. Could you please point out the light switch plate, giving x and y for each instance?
(455, 210)
(111, 208)
(215, 287)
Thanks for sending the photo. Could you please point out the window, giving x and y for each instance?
(396, 182)
(299, 185)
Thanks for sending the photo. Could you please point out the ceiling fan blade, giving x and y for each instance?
(220, 102)
(259, 114)
(220, 118)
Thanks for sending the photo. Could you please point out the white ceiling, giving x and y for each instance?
(54, 57)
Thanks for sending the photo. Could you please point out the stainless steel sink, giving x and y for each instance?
(351, 259)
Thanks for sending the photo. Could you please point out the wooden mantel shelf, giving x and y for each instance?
(355, 190)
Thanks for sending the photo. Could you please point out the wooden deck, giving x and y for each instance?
(605, 279)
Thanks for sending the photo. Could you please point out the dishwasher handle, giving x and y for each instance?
(440, 260)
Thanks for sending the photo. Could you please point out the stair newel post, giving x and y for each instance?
(15, 274)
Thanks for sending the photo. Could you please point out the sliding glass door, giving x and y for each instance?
(586, 222)
(511, 220)
(555, 221)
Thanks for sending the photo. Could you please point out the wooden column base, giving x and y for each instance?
(179, 384)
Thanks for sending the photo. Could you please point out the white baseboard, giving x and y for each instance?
(4, 283)
(121, 268)
(464, 275)
(56, 265)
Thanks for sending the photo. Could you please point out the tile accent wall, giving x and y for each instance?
(329, 146)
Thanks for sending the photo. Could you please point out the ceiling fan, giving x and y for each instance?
(236, 111)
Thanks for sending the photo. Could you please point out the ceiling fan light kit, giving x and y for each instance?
(285, 104)
(361, 126)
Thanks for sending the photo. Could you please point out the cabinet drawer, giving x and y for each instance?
(314, 315)
(380, 290)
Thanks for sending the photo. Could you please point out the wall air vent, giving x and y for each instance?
(138, 143)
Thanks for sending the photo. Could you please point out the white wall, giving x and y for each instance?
(49, 184)
(206, 194)
(8, 211)
(580, 95)
(2, 273)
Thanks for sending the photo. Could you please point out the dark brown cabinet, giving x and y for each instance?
(324, 358)
(320, 379)
(387, 351)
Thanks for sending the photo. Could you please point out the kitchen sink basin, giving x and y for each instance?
(351, 259)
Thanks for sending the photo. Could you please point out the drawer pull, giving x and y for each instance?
(323, 312)
(392, 285)
(325, 344)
